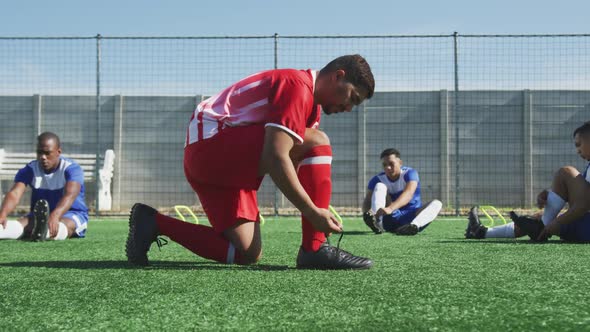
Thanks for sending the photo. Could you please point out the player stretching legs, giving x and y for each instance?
(57, 211)
(568, 186)
(264, 124)
(393, 200)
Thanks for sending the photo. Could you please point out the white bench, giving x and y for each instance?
(11, 162)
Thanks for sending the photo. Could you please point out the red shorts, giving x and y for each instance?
(223, 171)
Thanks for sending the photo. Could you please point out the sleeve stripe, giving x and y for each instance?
(289, 131)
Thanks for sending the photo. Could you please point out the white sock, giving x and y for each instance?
(428, 214)
(62, 232)
(378, 199)
(504, 231)
(12, 231)
(552, 207)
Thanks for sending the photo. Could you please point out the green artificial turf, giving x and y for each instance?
(433, 281)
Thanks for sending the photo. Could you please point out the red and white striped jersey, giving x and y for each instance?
(282, 98)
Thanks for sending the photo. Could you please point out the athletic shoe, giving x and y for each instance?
(40, 216)
(475, 230)
(407, 229)
(528, 225)
(143, 230)
(370, 221)
(329, 257)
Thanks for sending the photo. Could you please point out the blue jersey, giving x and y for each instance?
(51, 186)
(586, 173)
(395, 188)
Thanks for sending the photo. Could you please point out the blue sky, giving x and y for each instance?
(307, 17)
(170, 67)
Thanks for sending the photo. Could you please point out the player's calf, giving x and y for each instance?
(248, 258)
(425, 216)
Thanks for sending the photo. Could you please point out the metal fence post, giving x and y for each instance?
(361, 150)
(98, 127)
(445, 168)
(118, 147)
(276, 66)
(37, 116)
(528, 148)
(456, 111)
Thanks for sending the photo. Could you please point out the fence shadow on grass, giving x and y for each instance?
(154, 265)
(367, 232)
(346, 233)
(501, 241)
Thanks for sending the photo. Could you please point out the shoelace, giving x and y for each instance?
(160, 241)
(345, 255)
(338, 244)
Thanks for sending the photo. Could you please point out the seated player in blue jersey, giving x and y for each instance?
(569, 186)
(393, 201)
(57, 205)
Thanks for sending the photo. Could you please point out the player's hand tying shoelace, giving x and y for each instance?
(324, 221)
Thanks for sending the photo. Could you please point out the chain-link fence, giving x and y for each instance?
(484, 119)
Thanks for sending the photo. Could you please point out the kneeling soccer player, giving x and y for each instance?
(569, 186)
(393, 201)
(264, 124)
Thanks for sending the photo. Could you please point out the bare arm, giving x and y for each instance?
(11, 200)
(276, 162)
(367, 201)
(575, 212)
(405, 197)
(71, 191)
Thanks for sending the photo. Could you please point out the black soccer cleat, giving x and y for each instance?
(528, 225)
(407, 229)
(371, 222)
(329, 257)
(143, 230)
(475, 230)
(40, 217)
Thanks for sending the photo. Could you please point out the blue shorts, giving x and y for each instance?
(398, 218)
(578, 231)
(81, 220)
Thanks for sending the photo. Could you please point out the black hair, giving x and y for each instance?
(357, 69)
(583, 130)
(388, 152)
(46, 136)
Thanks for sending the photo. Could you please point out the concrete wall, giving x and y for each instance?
(510, 142)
